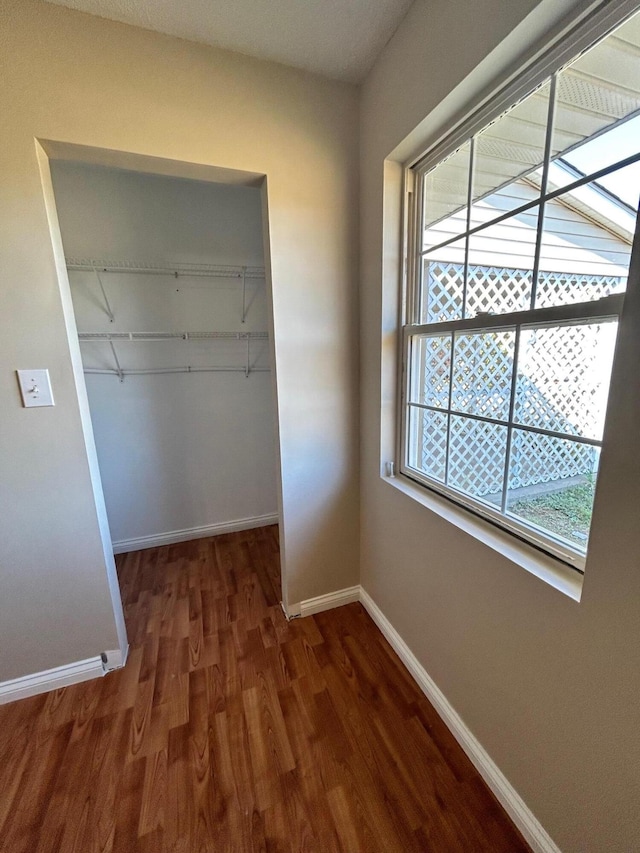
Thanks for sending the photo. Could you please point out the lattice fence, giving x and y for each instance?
(477, 455)
(559, 386)
(538, 458)
(482, 371)
(501, 289)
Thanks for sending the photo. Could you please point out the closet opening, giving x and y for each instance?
(173, 319)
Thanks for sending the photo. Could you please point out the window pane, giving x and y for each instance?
(597, 92)
(563, 377)
(428, 442)
(430, 369)
(446, 190)
(508, 155)
(477, 457)
(586, 246)
(482, 370)
(443, 284)
(501, 266)
(552, 484)
(623, 184)
(600, 151)
(465, 428)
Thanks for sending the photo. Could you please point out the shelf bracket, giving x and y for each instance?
(244, 294)
(104, 296)
(119, 370)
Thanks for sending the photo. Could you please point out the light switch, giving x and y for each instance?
(35, 387)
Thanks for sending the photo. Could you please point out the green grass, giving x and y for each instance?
(566, 513)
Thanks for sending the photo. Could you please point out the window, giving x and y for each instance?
(521, 249)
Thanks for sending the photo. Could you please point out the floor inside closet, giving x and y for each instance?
(232, 730)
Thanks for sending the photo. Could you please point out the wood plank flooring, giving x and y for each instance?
(232, 730)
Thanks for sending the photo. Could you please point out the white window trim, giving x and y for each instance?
(556, 571)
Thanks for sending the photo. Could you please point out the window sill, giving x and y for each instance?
(543, 566)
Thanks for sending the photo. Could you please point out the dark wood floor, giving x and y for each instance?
(231, 730)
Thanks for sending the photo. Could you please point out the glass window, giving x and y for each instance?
(521, 271)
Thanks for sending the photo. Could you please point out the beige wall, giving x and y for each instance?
(80, 79)
(549, 686)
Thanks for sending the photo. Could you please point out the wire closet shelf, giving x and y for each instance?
(216, 271)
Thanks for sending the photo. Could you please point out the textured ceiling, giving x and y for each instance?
(336, 38)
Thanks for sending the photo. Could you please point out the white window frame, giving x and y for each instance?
(607, 308)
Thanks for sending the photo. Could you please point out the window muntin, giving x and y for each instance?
(519, 287)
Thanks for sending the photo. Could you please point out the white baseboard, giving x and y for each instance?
(325, 602)
(114, 659)
(51, 679)
(532, 830)
(174, 536)
(534, 833)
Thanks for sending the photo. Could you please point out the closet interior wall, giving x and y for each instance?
(181, 453)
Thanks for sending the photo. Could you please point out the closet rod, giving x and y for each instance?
(188, 369)
(170, 336)
(202, 270)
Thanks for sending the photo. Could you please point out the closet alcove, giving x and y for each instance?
(168, 285)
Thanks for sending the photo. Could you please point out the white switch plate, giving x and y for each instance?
(35, 387)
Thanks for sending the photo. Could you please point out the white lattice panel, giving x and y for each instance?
(482, 369)
(562, 385)
(497, 290)
(563, 378)
(432, 443)
(565, 289)
(538, 458)
(501, 290)
(444, 285)
(434, 355)
(477, 456)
